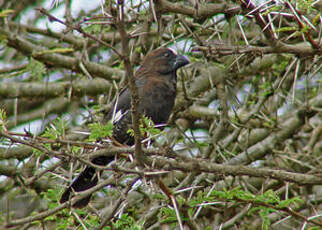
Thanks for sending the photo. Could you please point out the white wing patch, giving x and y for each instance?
(114, 109)
(117, 116)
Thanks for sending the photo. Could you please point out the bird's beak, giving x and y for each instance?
(180, 61)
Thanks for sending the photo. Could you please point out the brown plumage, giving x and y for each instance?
(156, 83)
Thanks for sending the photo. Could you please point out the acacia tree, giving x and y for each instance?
(243, 145)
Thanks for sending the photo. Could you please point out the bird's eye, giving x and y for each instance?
(166, 54)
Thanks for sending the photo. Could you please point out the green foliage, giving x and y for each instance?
(146, 127)
(315, 228)
(93, 29)
(288, 202)
(56, 129)
(201, 144)
(96, 107)
(138, 49)
(264, 204)
(51, 197)
(167, 215)
(3, 117)
(263, 213)
(266, 89)
(99, 130)
(271, 9)
(297, 34)
(194, 59)
(37, 69)
(126, 222)
(305, 28)
(219, 66)
(76, 149)
(305, 5)
(269, 197)
(285, 29)
(281, 65)
(91, 220)
(6, 13)
(63, 223)
(270, 123)
(316, 19)
(159, 196)
(231, 195)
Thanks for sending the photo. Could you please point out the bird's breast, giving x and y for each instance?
(158, 101)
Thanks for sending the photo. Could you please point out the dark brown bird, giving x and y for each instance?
(156, 82)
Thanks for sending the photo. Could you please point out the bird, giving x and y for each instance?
(156, 81)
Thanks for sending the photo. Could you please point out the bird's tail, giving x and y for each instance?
(86, 180)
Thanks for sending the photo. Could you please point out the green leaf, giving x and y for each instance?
(3, 117)
(127, 222)
(93, 28)
(51, 197)
(286, 28)
(274, 8)
(37, 69)
(147, 129)
(5, 13)
(305, 5)
(288, 202)
(316, 19)
(99, 130)
(56, 129)
(167, 215)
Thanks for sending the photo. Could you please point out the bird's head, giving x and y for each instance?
(164, 61)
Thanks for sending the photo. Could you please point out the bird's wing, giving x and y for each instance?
(122, 104)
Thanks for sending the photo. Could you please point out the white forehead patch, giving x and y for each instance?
(173, 51)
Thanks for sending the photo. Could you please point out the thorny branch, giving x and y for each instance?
(130, 77)
(272, 139)
(79, 29)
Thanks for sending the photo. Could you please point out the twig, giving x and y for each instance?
(262, 21)
(174, 203)
(117, 205)
(224, 50)
(130, 76)
(307, 33)
(79, 29)
(53, 211)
